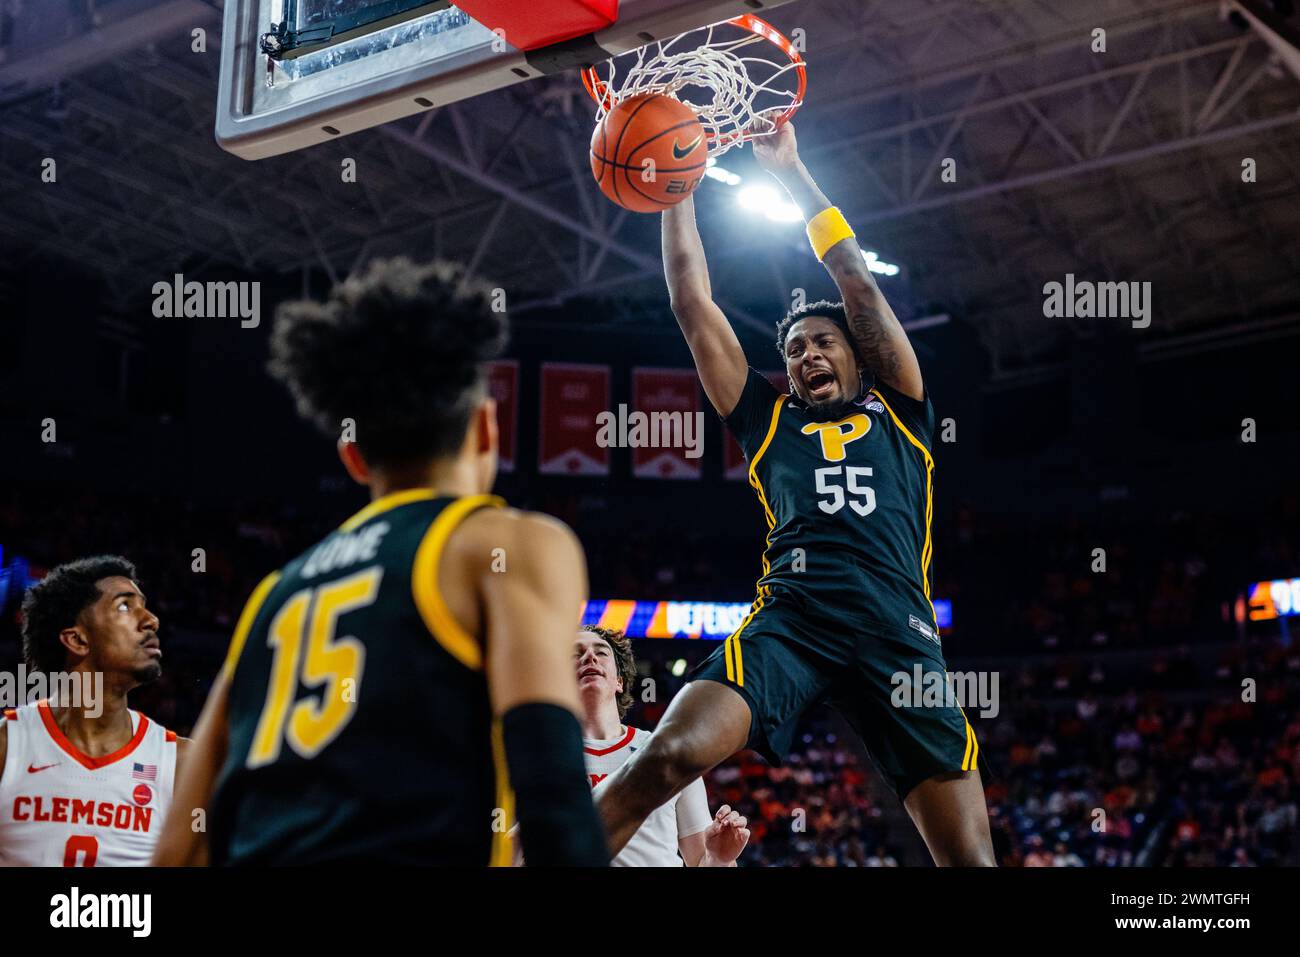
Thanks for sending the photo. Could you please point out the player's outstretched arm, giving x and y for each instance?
(532, 609)
(879, 335)
(183, 841)
(719, 359)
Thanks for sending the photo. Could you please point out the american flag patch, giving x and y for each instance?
(144, 772)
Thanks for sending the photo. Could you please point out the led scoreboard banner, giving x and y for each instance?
(710, 620)
(667, 619)
(1273, 599)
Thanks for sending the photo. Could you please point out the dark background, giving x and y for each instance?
(1120, 690)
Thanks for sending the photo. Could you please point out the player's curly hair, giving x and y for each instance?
(834, 311)
(623, 659)
(57, 601)
(399, 349)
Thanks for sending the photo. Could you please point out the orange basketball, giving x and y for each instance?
(649, 153)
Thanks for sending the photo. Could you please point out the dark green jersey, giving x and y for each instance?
(847, 503)
(360, 727)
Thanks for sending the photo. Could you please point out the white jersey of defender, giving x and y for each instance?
(60, 808)
(655, 842)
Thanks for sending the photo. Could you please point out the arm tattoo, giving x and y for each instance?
(869, 324)
(869, 333)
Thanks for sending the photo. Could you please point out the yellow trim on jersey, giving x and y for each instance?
(502, 845)
(731, 647)
(927, 549)
(245, 624)
(758, 485)
(445, 629)
(767, 439)
(969, 761)
(386, 502)
(898, 422)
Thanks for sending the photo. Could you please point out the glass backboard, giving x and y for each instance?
(299, 72)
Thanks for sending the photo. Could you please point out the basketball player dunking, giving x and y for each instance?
(86, 783)
(388, 693)
(842, 468)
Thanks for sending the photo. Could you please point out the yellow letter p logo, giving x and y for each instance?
(836, 435)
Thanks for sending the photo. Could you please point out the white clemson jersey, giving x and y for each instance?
(61, 808)
(655, 842)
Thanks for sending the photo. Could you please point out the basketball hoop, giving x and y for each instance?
(752, 95)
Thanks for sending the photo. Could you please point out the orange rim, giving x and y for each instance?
(600, 92)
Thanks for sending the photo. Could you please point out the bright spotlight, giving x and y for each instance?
(723, 176)
(878, 265)
(766, 200)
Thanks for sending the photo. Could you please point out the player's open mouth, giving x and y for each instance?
(820, 384)
(590, 673)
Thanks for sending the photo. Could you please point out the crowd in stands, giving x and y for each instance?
(1137, 724)
(1180, 773)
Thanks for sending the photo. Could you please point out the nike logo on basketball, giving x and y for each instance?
(32, 769)
(681, 154)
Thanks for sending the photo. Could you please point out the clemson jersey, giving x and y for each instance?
(655, 842)
(60, 807)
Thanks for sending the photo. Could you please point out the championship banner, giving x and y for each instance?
(734, 464)
(572, 396)
(666, 425)
(503, 386)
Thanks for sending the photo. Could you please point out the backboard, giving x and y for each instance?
(299, 72)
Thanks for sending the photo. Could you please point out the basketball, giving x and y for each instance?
(649, 153)
(706, 448)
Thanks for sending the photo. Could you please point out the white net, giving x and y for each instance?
(736, 84)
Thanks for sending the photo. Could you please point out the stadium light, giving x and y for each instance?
(724, 176)
(878, 265)
(679, 667)
(766, 200)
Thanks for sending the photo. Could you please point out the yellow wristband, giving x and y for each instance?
(826, 229)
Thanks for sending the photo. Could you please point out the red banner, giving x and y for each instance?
(666, 425)
(572, 396)
(503, 386)
(734, 465)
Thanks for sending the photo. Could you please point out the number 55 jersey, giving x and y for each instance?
(843, 611)
(847, 502)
